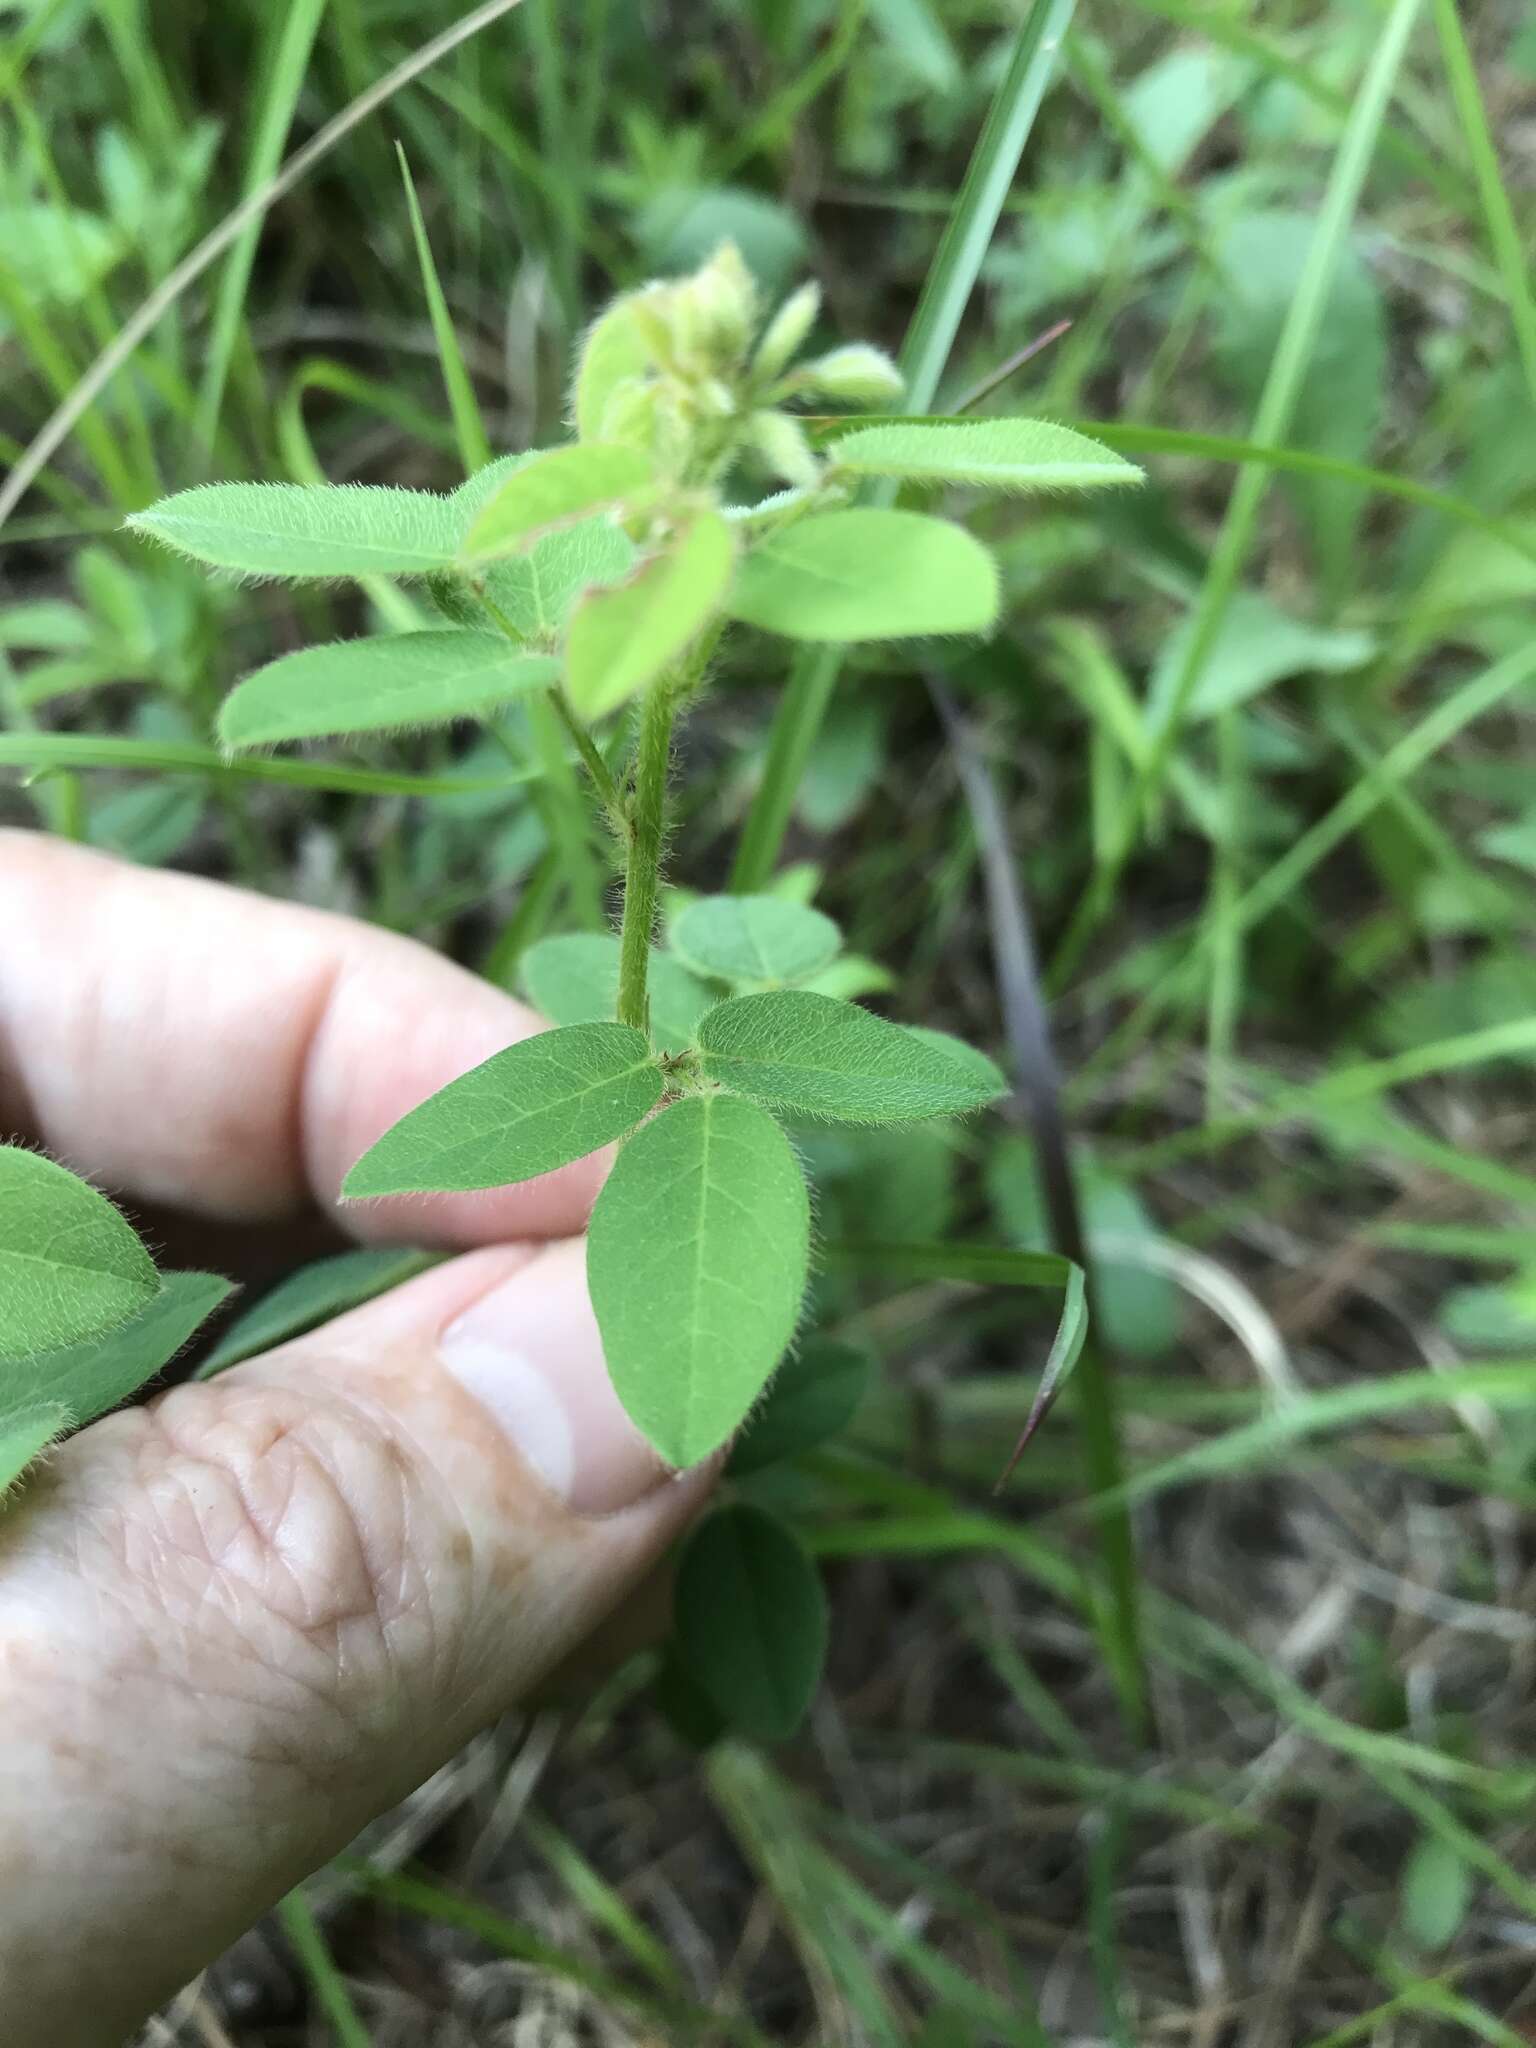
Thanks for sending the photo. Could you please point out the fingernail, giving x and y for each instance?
(530, 1354)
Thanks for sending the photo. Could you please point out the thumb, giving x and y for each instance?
(237, 1624)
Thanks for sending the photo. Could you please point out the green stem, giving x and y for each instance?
(647, 830)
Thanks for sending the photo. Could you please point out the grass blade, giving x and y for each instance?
(290, 62)
(951, 277)
(468, 426)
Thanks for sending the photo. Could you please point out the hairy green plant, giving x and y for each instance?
(598, 580)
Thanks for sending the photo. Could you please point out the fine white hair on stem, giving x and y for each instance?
(61, 423)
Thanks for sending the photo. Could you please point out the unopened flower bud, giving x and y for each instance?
(786, 331)
(781, 446)
(856, 375)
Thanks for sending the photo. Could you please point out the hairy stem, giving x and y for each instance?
(642, 873)
(609, 794)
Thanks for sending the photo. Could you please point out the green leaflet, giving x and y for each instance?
(538, 1105)
(554, 489)
(96, 1374)
(621, 637)
(307, 531)
(311, 1296)
(812, 1396)
(70, 1267)
(613, 352)
(1435, 1893)
(696, 1262)
(574, 979)
(813, 1056)
(380, 685)
(866, 574)
(755, 938)
(751, 1624)
(999, 455)
(24, 1436)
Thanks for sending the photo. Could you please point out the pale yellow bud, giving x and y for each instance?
(856, 375)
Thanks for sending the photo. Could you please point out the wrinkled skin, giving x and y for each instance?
(238, 1622)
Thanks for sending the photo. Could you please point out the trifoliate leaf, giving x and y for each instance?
(696, 1263)
(998, 455)
(866, 574)
(813, 1056)
(70, 1267)
(24, 1437)
(538, 1105)
(574, 979)
(623, 636)
(307, 531)
(751, 1620)
(754, 938)
(381, 685)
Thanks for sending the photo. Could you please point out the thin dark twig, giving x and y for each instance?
(1015, 362)
(1025, 1022)
(1027, 1028)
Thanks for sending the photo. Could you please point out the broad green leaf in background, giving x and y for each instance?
(70, 1267)
(554, 489)
(1514, 842)
(623, 636)
(998, 455)
(846, 763)
(24, 1436)
(382, 685)
(812, 1396)
(311, 1296)
(614, 352)
(813, 1056)
(1262, 257)
(866, 574)
(88, 1378)
(574, 979)
(751, 1620)
(696, 1262)
(540, 1104)
(1435, 1893)
(1138, 1307)
(307, 531)
(684, 226)
(1257, 645)
(754, 938)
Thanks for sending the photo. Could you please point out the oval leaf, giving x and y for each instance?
(399, 679)
(1000, 455)
(814, 1394)
(88, 1378)
(307, 531)
(24, 1436)
(866, 574)
(755, 938)
(538, 1105)
(621, 637)
(696, 1262)
(554, 489)
(325, 1288)
(70, 1267)
(574, 979)
(814, 1056)
(751, 1624)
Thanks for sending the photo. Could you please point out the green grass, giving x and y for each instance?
(1285, 910)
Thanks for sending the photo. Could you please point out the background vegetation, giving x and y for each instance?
(1257, 744)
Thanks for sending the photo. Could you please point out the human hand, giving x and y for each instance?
(237, 1623)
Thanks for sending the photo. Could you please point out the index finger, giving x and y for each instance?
(192, 1044)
